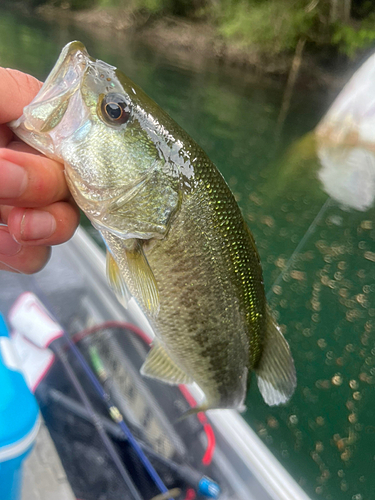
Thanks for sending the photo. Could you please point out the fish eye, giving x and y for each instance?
(114, 109)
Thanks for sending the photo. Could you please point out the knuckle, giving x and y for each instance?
(45, 187)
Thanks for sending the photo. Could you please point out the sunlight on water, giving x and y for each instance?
(318, 259)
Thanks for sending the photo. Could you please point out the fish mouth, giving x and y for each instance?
(42, 118)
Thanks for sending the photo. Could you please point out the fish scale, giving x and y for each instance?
(223, 317)
(175, 235)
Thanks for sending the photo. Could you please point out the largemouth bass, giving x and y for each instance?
(175, 236)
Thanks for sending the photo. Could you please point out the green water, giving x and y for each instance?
(325, 301)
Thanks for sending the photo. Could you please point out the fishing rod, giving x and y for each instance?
(300, 245)
(185, 472)
(206, 486)
(94, 418)
(107, 380)
(55, 346)
(117, 417)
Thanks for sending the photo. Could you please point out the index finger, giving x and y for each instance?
(17, 89)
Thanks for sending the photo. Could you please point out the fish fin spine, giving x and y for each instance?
(161, 366)
(116, 280)
(144, 279)
(276, 374)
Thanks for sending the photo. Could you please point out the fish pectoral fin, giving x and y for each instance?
(116, 280)
(127, 195)
(159, 365)
(143, 278)
(276, 374)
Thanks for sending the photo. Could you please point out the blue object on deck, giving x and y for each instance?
(19, 419)
(208, 488)
(3, 328)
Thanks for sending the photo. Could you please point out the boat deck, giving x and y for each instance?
(43, 474)
(74, 287)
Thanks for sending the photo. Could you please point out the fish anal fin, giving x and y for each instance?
(276, 374)
(116, 280)
(160, 365)
(143, 279)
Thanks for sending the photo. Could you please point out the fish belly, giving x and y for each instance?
(201, 321)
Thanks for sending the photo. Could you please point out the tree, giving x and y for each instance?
(340, 11)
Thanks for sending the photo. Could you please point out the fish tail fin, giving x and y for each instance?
(276, 374)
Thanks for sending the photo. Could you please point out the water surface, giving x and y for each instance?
(324, 300)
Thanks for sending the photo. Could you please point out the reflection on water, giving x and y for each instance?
(346, 142)
(325, 298)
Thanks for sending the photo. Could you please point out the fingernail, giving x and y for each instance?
(13, 179)
(8, 246)
(37, 225)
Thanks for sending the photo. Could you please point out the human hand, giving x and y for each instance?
(36, 207)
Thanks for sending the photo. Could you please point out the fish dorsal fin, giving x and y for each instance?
(275, 373)
(143, 279)
(116, 280)
(159, 365)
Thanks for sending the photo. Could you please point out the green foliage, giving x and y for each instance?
(268, 27)
(69, 4)
(77, 4)
(152, 6)
(271, 25)
(362, 8)
(350, 40)
(275, 26)
(185, 8)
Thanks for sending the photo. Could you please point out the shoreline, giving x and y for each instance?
(199, 43)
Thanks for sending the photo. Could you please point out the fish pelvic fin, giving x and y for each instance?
(116, 280)
(143, 278)
(276, 375)
(161, 366)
